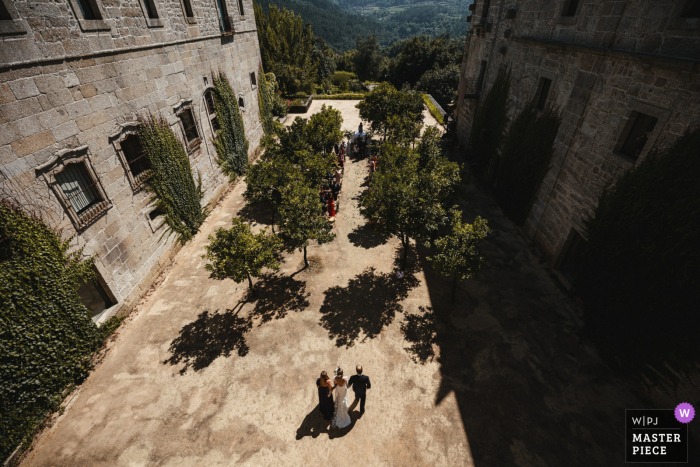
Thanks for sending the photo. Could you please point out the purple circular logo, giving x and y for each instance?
(684, 412)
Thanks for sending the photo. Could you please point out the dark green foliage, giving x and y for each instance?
(489, 124)
(525, 158)
(286, 48)
(385, 102)
(367, 61)
(640, 270)
(419, 55)
(441, 83)
(342, 79)
(323, 130)
(230, 143)
(265, 103)
(239, 254)
(46, 335)
(175, 191)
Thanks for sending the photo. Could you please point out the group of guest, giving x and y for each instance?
(328, 195)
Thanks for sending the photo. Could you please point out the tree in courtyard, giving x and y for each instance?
(403, 129)
(302, 219)
(315, 167)
(386, 101)
(441, 83)
(264, 181)
(405, 201)
(238, 253)
(457, 253)
(323, 130)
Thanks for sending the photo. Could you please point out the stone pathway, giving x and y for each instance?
(204, 376)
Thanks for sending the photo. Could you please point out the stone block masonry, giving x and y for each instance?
(607, 63)
(71, 89)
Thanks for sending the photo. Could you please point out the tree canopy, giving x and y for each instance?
(239, 254)
(384, 102)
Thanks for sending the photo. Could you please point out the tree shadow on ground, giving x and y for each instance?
(210, 336)
(421, 332)
(365, 236)
(276, 295)
(365, 306)
(258, 213)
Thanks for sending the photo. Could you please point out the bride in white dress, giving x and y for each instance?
(341, 417)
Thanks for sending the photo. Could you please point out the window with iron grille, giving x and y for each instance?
(189, 126)
(135, 156)
(78, 187)
(211, 110)
(75, 183)
(639, 128)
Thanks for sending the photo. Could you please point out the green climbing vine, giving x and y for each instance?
(175, 192)
(265, 103)
(46, 335)
(489, 124)
(525, 158)
(640, 269)
(230, 143)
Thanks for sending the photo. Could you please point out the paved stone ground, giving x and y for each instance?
(204, 375)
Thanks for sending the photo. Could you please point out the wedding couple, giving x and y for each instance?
(337, 407)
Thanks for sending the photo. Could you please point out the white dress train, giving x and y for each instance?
(341, 417)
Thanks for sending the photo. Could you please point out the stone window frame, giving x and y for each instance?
(570, 20)
(56, 164)
(210, 115)
(188, 19)
(551, 76)
(157, 223)
(109, 311)
(676, 21)
(241, 10)
(125, 130)
(182, 106)
(157, 22)
(241, 98)
(253, 80)
(88, 25)
(228, 18)
(635, 106)
(14, 26)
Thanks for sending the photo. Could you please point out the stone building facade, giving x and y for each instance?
(624, 74)
(75, 76)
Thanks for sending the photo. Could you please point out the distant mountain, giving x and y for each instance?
(339, 23)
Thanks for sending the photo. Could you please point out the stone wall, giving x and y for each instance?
(609, 60)
(63, 88)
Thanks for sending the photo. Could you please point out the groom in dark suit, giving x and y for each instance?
(360, 384)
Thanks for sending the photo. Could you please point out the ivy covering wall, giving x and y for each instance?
(175, 192)
(640, 269)
(46, 334)
(265, 103)
(230, 143)
(525, 159)
(489, 124)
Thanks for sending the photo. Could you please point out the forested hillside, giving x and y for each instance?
(339, 23)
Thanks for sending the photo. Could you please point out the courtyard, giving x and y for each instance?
(205, 374)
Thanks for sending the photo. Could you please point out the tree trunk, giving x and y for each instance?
(306, 261)
(250, 283)
(405, 253)
(454, 288)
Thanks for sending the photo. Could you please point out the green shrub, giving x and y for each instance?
(489, 124)
(46, 335)
(340, 97)
(432, 109)
(342, 79)
(640, 269)
(527, 152)
(230, 143)
(175, 192)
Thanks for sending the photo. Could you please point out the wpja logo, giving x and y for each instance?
(658, 435)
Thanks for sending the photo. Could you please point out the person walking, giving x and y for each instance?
(325, 395)
(360, 384)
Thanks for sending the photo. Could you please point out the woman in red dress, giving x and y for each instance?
(331, 207)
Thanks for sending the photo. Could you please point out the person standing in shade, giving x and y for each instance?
(360, 384)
